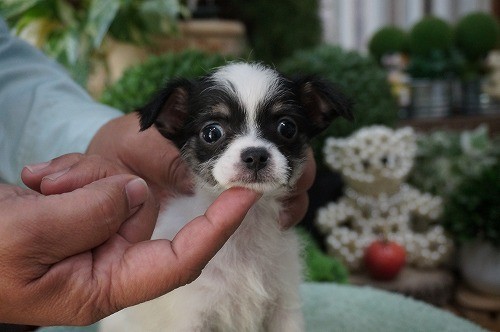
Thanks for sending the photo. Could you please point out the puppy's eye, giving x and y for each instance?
(287, 128)
(212, 133)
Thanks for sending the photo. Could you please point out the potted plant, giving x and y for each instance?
(476, 34)
(463, 168)
(73, 32)
(389, 46)
(431, 67)
(386, 41)
(472, 216)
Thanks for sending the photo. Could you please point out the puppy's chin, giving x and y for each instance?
(262, 187)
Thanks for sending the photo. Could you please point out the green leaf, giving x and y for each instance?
(10, 8)
(101, 15)
(66, 14)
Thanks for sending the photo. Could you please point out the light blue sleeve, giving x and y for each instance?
(43, 112)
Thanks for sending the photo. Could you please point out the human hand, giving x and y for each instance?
(295, 206)
(76, 257)
(144, 153)
(149, 155)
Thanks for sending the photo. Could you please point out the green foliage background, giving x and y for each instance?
(277, 28)
(358, 76)
(139, 83)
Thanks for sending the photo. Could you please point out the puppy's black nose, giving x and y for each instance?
(255, 158)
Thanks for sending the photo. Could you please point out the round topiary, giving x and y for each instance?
(388, 40)
(476, 34)
(359, 76)
(429, 35)
(139, 83)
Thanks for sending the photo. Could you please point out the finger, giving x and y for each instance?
(295, 206)
(215, 227)
(74, 222)
(32, 175)
(146, 153)
(165, 167)
(141, 225)
(306, 180)
(294, 211)
(168, 265)
(87, 170)
(73, 171)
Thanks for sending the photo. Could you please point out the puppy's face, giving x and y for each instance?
(244, 124)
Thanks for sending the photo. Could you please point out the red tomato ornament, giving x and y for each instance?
(384, 259)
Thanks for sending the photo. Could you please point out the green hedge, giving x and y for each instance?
(139, 83)
(360, 78)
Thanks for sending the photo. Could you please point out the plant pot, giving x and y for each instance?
(479, 264)
(470, 97)
(430, 98)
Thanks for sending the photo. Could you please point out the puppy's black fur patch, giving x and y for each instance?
(184, 107)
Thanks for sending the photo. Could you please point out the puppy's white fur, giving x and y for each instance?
(229, 172)
(252, 283)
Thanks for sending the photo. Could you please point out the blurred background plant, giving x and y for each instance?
(472, 211)
(276, 28)
(73, 31)
(132, 90)
(445, 159)
(388, 40)
(320, 267)
(431, 49)
(476, 34)
(463, 168)
(358, 76)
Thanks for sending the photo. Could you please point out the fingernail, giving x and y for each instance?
(56, 175)
(137, 192)
(37, 167)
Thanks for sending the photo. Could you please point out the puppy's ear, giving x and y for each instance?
(323, 102)
(168, 110)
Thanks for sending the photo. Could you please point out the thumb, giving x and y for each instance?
(80, 220)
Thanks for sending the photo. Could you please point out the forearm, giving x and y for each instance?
(43, 112)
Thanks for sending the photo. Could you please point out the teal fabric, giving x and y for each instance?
(339, 308)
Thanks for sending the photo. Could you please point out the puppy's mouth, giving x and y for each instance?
(261, 168)
(261, 181)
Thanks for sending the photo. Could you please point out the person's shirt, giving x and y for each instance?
(43, 112)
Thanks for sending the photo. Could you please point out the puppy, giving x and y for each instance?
(243, 125)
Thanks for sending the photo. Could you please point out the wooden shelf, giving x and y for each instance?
(483, 309)
(459, 122)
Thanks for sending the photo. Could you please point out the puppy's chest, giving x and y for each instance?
(260, 223)
(242, 285)
(255, 249)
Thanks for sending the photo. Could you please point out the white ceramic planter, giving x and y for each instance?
(480, 266)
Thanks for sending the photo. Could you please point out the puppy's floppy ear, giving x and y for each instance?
(323, 102)
(168, 110)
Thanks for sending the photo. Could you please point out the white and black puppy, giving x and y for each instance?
(243, 125)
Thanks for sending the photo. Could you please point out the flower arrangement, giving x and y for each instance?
(377, 203)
